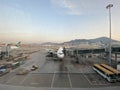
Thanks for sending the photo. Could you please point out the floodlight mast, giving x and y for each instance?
(109, 8)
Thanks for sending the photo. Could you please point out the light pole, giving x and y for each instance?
(109, 8)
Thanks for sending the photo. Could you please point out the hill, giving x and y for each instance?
(103, 40)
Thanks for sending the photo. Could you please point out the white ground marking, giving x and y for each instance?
(53, 80)
(69, 80)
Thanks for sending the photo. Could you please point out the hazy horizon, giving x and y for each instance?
(40, 21)
(52, 41)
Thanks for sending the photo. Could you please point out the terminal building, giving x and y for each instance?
(94, 50)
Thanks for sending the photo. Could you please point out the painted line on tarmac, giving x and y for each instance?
(53, 80)
(102, 84)
(87, 79)
(34, 83)
(70, 80)
(93, 83)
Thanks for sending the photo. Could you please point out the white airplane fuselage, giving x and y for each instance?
(60, 53)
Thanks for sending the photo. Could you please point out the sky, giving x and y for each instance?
(38, 21)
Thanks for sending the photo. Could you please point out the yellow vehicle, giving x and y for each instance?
(110, 76)
(115, 71)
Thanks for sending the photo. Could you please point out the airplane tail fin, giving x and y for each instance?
(18, 44)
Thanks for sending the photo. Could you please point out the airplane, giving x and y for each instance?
(11, 45)
(59, 54)
(6, 48)
(51, 53)
(14, 46)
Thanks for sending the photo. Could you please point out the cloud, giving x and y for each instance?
(80, 7)
(68, 6)
(76, 7)
(73, 8)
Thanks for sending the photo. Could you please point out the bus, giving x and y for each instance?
(115, 71)
(110, 76)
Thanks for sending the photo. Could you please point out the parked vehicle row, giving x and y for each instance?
(109, 73)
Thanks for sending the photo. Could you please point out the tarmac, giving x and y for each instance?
(56, 75)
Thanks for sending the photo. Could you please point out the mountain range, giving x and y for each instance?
(103, 40)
